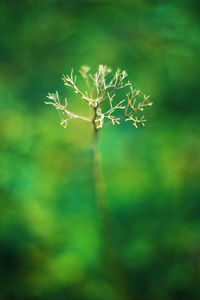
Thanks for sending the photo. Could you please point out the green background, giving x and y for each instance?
(50, 231)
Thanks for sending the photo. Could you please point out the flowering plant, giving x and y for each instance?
(103, 97)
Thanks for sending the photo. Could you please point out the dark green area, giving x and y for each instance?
(50, 240)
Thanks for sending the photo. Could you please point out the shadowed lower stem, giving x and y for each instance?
(98, 178)
(110, 253)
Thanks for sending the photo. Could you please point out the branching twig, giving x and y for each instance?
(55, 101)
(106, 90)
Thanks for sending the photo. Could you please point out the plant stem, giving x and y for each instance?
(110, 252)
(99, 184)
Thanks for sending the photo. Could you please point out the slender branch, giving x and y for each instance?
(109, 247)
(99, 184)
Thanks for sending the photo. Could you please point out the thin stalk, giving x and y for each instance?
(98, 178)
(109, 250)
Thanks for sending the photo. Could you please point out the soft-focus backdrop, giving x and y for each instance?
(50, 240)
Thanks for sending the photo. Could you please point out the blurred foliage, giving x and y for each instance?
(50, 240)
